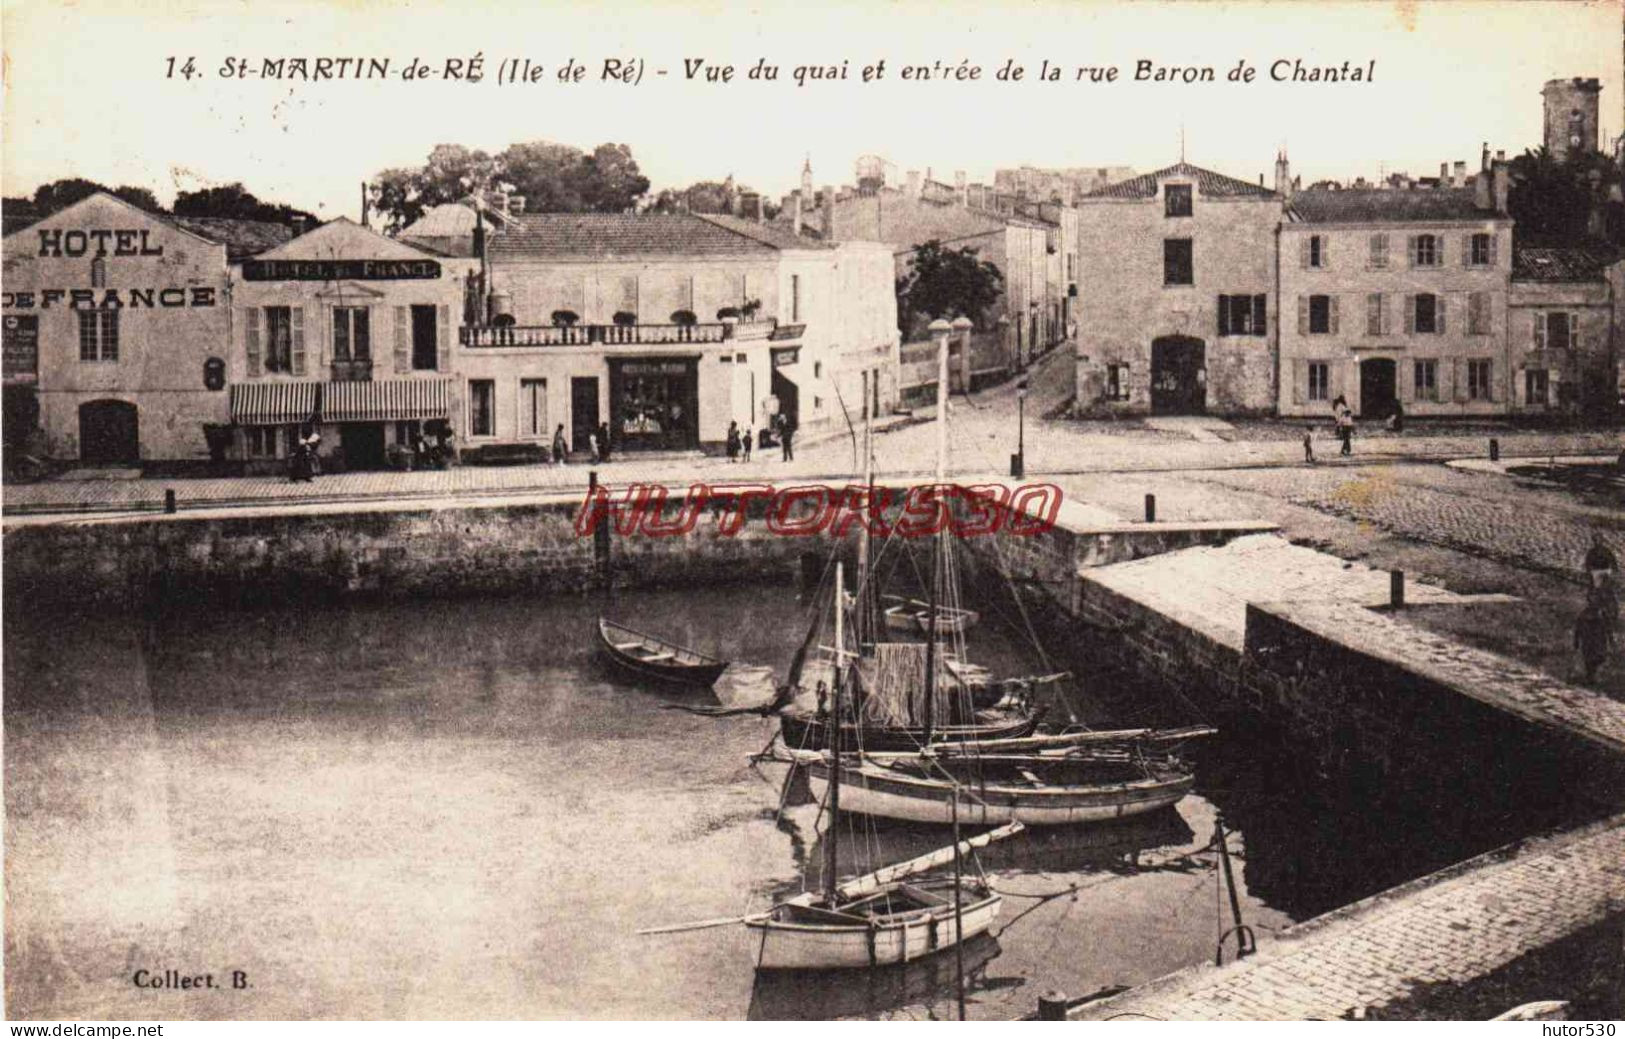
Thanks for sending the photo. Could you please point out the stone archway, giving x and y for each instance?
(109, 433)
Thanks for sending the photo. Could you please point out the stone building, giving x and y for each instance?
(1178, 308)
(1031, 184)
(1397, 297)
(1570, 108)
(667, 327)
(117, 330)
(348, 331)
(1562, 331)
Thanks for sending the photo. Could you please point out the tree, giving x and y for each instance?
(60, 194)
(236, 202)
(611, 181)
(1561, 203)
(452, 173)
(945, 283)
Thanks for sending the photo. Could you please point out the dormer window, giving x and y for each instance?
(1177, 199)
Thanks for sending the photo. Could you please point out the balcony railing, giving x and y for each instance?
(589, 335)
(359, 370)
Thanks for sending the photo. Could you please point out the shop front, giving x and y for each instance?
(359, 422)
(654, 403)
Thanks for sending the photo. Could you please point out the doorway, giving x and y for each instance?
(789, 398)
(1178, 376)
(1378, 388)
(109, 433)
(363, 445)
(583, 410)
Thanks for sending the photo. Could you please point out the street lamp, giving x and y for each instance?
(1018, 461)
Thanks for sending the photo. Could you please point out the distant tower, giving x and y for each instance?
(806, 182)
(1283, 175)
(1571, 115)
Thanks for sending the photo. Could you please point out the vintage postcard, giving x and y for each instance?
(692, 511)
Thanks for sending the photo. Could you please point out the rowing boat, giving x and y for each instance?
(649, 657)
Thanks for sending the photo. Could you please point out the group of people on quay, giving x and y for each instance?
(740, 441)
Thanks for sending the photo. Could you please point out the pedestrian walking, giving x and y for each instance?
(592, 446)
(1593, 637)
(1601, 563)
(1345, 431)
(560, 448)
(603, 441)
(786, 436)
(1309, 444)
(744, 442)
(733, 441)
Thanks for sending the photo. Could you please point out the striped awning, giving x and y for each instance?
(388, 400)
(272, 403)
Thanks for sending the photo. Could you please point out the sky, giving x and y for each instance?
(89, 89)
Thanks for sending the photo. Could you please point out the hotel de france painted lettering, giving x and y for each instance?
(56, 243)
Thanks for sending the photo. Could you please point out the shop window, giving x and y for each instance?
(98, 335)
(1536, 387)
(1320, 380)
(352, 334)
(260, 441)
(482, 407)
(1427, 380)
(1478, 380)
(1177, 199)
(1177, 268)
(279, 339)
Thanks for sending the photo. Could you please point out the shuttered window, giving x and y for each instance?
(1426, 314)
(1425, 250)
(1427, 380)
(1379, 252)
(1478, 380)
(278, 348)
(1376, 323)
(1320, 380)
(1320, 315)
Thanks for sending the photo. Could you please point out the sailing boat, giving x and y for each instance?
(880, 918)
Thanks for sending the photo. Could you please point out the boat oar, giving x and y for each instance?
(700, 925)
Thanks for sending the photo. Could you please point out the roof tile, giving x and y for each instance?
(1387, 205)
(605, 235)
(1208, 184)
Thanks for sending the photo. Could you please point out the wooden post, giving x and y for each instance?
(169, 500)
(1396, 588)
(1052, 1006)
(1495, 450)
(1151, 508)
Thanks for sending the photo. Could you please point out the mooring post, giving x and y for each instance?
(592, 481)
(1052, 1006)
(1396, 588)
(1151, 508)
(1495, 450)
(169, 500)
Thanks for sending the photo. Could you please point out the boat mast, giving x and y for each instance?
(833, 832)
(941, 330)
(866, 628)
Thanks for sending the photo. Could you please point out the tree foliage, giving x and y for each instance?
(946, 283)
(1561, 203)
(236, 202)
(706, 196)
(553, 178)
(60, 194)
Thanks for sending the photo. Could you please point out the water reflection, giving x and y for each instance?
(811, 995)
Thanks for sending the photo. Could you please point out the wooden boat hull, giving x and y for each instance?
(909, 615)
(798, 946)
(871, 790)
(808, 732)
(686, 667)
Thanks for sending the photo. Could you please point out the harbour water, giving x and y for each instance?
(448, 809)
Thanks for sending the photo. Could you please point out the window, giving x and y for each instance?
(260, 441)
(1478, 313)
(1320, 380)
(1177, 199)
(279, 339)
(795, 297)
(1376, 315)
(1117, 382)
(482, 408)
(1427, 380)
(1427, 314)
(1483, 251)
(1478, 380)
(1320, 315)
(352, 334)
(98, 273)
(533, 408)
(1242, 315)
(1316, 252)
(1176, 262)
(1379, 252)
(98, 335)
(1425, 251)
(1535, 386)
(1558, 328)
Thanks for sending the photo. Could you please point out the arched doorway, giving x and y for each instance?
(1178, 376)
(1378, 388)
(109, 433)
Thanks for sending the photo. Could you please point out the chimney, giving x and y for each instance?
(913, 183)
(960, 189)
(1500, 156)
(795, 214)
(1444, 174)
(1460, 178)
(1503, 184)
(1484, 191)
(300, 225)
(516, 204)
(1484, 158)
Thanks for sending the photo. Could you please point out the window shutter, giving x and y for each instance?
(1332, 319)
(1467, 250)
(1375, 247)
(1224, 318)
(1410, 249)
(442, 352)
(1303, 251)
(1440, 307)
(251, 338)
(1300, 380)
(1494, 242)
(298, 336)
(1325, 252)
(1260, 314)
(403, 341)
(1303, 315)
(1410, 314)
(1440, 253)
(1407, 386)
(1334, 370)
(1373, 313)
(1540, 331)
(1494, 395)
